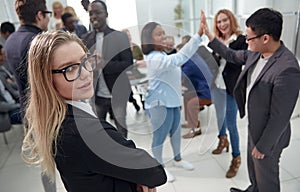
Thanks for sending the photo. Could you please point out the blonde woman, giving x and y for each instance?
(227, 30)
(55, 22)
(63, 130)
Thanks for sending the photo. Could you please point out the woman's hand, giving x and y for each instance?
(201, 26)
(143, 188)
(203, 23)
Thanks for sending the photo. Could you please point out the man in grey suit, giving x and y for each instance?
(268, 87)
(112, 87)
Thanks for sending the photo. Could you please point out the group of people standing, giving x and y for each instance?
(205, 88)
(68, 85)
(66, 19)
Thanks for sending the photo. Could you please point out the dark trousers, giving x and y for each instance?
(104, 105)
(264, 173)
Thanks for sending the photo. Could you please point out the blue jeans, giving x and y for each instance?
(165, 121)
(226, 116)
(219, 99)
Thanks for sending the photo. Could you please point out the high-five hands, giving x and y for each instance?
(204, 25)
(201, 26)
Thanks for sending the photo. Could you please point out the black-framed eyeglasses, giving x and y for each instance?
(47, 12)
(251, 38)
(73, 71)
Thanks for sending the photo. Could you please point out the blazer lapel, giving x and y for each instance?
(264, 70)
(93, 40)
(252, 61)
(270, 62)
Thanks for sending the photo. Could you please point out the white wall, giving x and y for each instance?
(122, 14)
(7, 12)
(161, 11)
(246, 7)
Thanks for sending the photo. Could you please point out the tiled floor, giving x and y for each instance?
(209, 174)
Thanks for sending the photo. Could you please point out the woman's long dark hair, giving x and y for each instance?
(146, 37)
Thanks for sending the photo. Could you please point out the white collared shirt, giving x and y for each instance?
(219, 79)
(83, 106)
(253, 73)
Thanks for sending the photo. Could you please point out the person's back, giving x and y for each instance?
(17, 57)
(17, 44)
(193, 73)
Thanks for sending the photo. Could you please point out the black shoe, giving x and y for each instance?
(232, 189)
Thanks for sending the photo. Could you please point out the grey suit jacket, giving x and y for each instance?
(272, 98)
(117, 59)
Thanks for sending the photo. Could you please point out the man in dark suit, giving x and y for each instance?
(268, 87)
(111, 83)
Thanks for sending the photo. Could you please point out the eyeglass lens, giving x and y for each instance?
(74, 71)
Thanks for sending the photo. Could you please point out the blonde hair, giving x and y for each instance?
(46, 109)
(59, 4)
(69, 9)
(235, 28)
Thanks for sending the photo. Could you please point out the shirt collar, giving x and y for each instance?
(83, 106)
(232, 38)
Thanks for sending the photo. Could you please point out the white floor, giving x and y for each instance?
(209, 174)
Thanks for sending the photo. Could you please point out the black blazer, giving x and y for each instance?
(92, 156)
(231, 71)
(272, 98)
